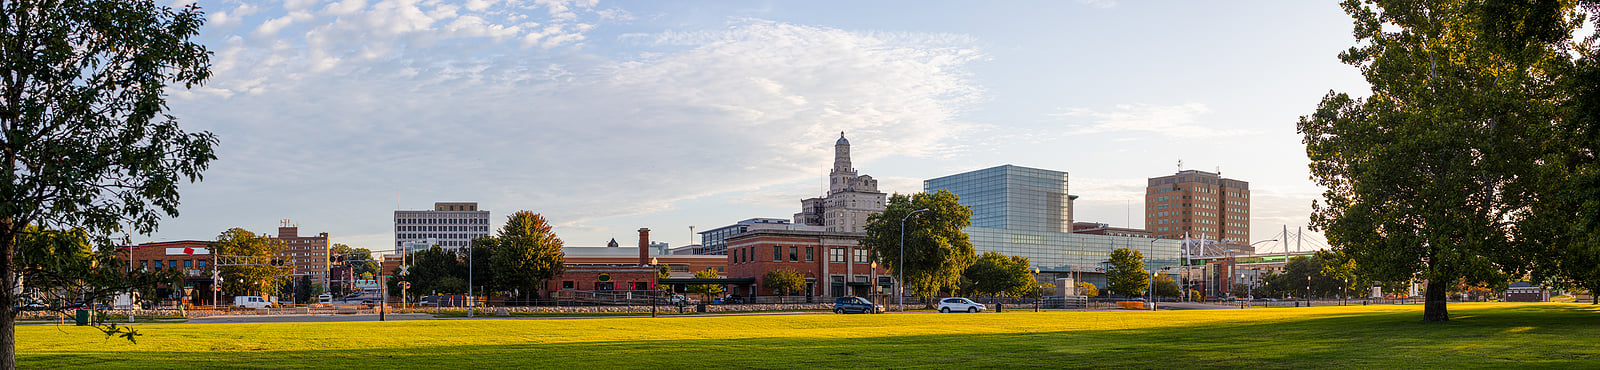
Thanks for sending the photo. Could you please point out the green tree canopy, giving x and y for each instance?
(996, 274)
(1166, 287)
(87, 143)
(1125, 273)
(784, 282)
(706, 290)
(936, 250)
(260, 279)
(359, 259)
(1425, 176)
(432, 270)
(526, 253)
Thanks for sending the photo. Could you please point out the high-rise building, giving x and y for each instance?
(449, 225)
(850, 198)
(1012, 197)
(1199, 205)
(1021, 211)
(308, 254)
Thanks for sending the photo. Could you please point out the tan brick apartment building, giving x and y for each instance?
(1199, 204)
(307, 254)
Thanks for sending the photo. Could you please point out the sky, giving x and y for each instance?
(606, 117)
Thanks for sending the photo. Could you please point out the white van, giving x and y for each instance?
(251, 301)
(325, 298)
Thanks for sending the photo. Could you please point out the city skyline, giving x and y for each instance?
(607, 117)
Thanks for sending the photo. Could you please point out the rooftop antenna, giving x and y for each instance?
(1219, 170)
(1180, 164)
(283, 223)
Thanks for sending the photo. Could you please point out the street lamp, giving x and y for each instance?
(902, 266)
(1036, 291)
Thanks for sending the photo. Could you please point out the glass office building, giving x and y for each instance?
(1021, 211)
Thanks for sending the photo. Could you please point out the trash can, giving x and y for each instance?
(701, 308)
(83, 317)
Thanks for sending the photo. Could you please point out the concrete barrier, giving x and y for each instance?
(263, 311)
(346, 311)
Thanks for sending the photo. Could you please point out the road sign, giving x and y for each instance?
(403, 270)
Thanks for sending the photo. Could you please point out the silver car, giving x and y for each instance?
(958, 304)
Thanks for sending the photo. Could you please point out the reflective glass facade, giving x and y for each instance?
(1022, 211)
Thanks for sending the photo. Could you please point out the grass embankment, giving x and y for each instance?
(1479, 335)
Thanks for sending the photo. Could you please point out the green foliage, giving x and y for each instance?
(1125, 274)
(706, 290)
(360, 259)
(526, 253)
(1088, 289)
(249, 280)
(784, 282)
(432, 270)
(86, 142)
(1424, 177)
(62, 271)
(936, 250)
(996, 274)
(1166, 287)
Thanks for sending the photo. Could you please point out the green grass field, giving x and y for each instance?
(1479, 335)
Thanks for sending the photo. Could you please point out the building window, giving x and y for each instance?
(810, 254)
(794, 254)
(861, 255)
(201, 264)
(836, 255)
(777, 254)
(640, 285)
(566, 284)
(188, 264)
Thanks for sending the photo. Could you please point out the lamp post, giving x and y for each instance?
(470, 301)
(901, 268)
(1036, 291)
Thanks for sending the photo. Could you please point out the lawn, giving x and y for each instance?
(1388, 336)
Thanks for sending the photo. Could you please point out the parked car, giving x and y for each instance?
(325, 298)
(676, 299)
(855, 305)
(958, 304)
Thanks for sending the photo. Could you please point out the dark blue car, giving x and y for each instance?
(855, 305)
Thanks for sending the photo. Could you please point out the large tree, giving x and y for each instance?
(996, 274)
(1562, 232)
(1125, 274)
(86, 140)
(936, 250)
(1425, 176)
(256, 275)
(524, 254)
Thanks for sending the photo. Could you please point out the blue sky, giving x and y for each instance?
(611, 116)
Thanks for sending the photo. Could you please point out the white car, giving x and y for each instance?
(958, 304)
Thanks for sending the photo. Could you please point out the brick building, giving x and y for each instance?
(833, 263)
(191, 257)
(308, 254)
(614, 267)
(1199, 204)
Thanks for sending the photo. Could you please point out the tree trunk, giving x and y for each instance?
(8, 339)
(1433, 306)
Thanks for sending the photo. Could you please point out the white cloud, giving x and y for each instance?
(389, 101)
(1183, 120)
